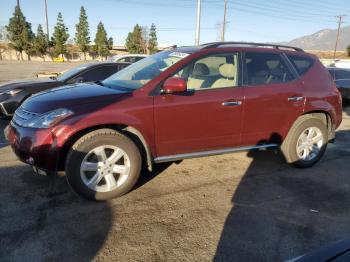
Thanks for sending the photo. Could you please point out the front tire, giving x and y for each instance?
(306, 142)
(103, 164)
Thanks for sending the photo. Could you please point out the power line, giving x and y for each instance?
(340, 21)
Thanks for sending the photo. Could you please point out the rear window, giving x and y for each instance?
(301, 64)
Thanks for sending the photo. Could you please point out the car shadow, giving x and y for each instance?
(280, 212)
(41, 222)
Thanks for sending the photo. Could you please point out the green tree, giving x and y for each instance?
(134, 41)
(19, 33)
(153, 42)
(348, 50)
(110, 43)
(101, 41)
(82, 38)
(60, 37)
(40, 42)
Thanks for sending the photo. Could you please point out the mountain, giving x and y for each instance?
(323, 40)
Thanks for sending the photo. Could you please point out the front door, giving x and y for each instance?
(206, 117)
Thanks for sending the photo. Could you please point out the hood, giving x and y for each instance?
(27, 83)
(69, 96)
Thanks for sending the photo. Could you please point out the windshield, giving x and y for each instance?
(71, 72)
(143, 71)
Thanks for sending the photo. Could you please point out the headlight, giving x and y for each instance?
(14, 92)
(48, 119)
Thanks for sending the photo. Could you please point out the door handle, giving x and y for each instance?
(231, 103)
(295, 98)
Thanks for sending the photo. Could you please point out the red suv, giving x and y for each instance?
(181, 103)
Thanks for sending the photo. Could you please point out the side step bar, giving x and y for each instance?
(172, 158)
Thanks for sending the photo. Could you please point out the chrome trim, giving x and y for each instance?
(232, 103)
(171, 158)
(295, 98)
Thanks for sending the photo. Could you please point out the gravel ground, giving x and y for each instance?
(247, 206)
(11, 70)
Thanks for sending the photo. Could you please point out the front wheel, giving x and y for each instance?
(306, 142)
(103, 164)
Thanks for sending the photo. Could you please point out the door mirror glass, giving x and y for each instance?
(174, 85)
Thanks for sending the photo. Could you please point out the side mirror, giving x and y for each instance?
(174, 85)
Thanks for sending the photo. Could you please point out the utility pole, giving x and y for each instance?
(224, 23)
(340, 21)
(198, 24)
(47, 22)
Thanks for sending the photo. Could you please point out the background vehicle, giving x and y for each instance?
(131, 58)
(341, 78)
(13, 94)
(182, 103)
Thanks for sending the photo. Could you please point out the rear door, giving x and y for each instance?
(273, 97)
(206, 117)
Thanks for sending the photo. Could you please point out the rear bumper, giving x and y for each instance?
(36, 147)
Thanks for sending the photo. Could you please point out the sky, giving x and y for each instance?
(247, 20)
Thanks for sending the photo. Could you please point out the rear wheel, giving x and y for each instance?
(103, 164)
(306, 142)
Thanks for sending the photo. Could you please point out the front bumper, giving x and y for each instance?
(36, 147)
(8, 107)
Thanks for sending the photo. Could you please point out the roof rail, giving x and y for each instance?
(276, 46)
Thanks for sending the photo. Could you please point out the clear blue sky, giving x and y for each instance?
(248, 20)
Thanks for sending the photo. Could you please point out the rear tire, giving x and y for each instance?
(306, 142)
(103, 164)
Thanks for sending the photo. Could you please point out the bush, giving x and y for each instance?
(348, 50)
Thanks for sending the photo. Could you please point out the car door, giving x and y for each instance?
(273, 97)
(208, 116)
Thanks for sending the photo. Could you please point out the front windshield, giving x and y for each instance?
(143, 71)
(71, 72)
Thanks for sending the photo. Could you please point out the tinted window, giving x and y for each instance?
(126, 59)
(301, 64)
(266, 68)
(342, 74)
(138, 58)
(213, 71)
(98, 73)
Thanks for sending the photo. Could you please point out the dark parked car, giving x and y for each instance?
(342, 80)
(13, 94)
(186, 102)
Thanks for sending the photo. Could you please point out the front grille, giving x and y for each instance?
(21, 116)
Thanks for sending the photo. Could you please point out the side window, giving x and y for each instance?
(126, 59)
(138, 58)
(98, 73)
(266, 68)
(212, 71)
(301, 64)
(342, 74)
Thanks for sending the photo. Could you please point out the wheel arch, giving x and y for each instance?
(326, 118)
(129, 131)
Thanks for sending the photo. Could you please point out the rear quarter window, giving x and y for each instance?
(302, 64)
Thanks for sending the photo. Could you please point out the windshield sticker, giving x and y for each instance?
(178, 54)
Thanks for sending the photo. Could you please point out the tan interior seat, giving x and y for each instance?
(228, 76)
(199, 76)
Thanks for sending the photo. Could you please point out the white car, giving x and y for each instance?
(131, 58)
(342, 64)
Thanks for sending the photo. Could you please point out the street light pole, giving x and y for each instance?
(47, 22)
(224, 23)
(198, 24)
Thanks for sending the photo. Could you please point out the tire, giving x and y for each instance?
(103, 164)
(295, 139)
